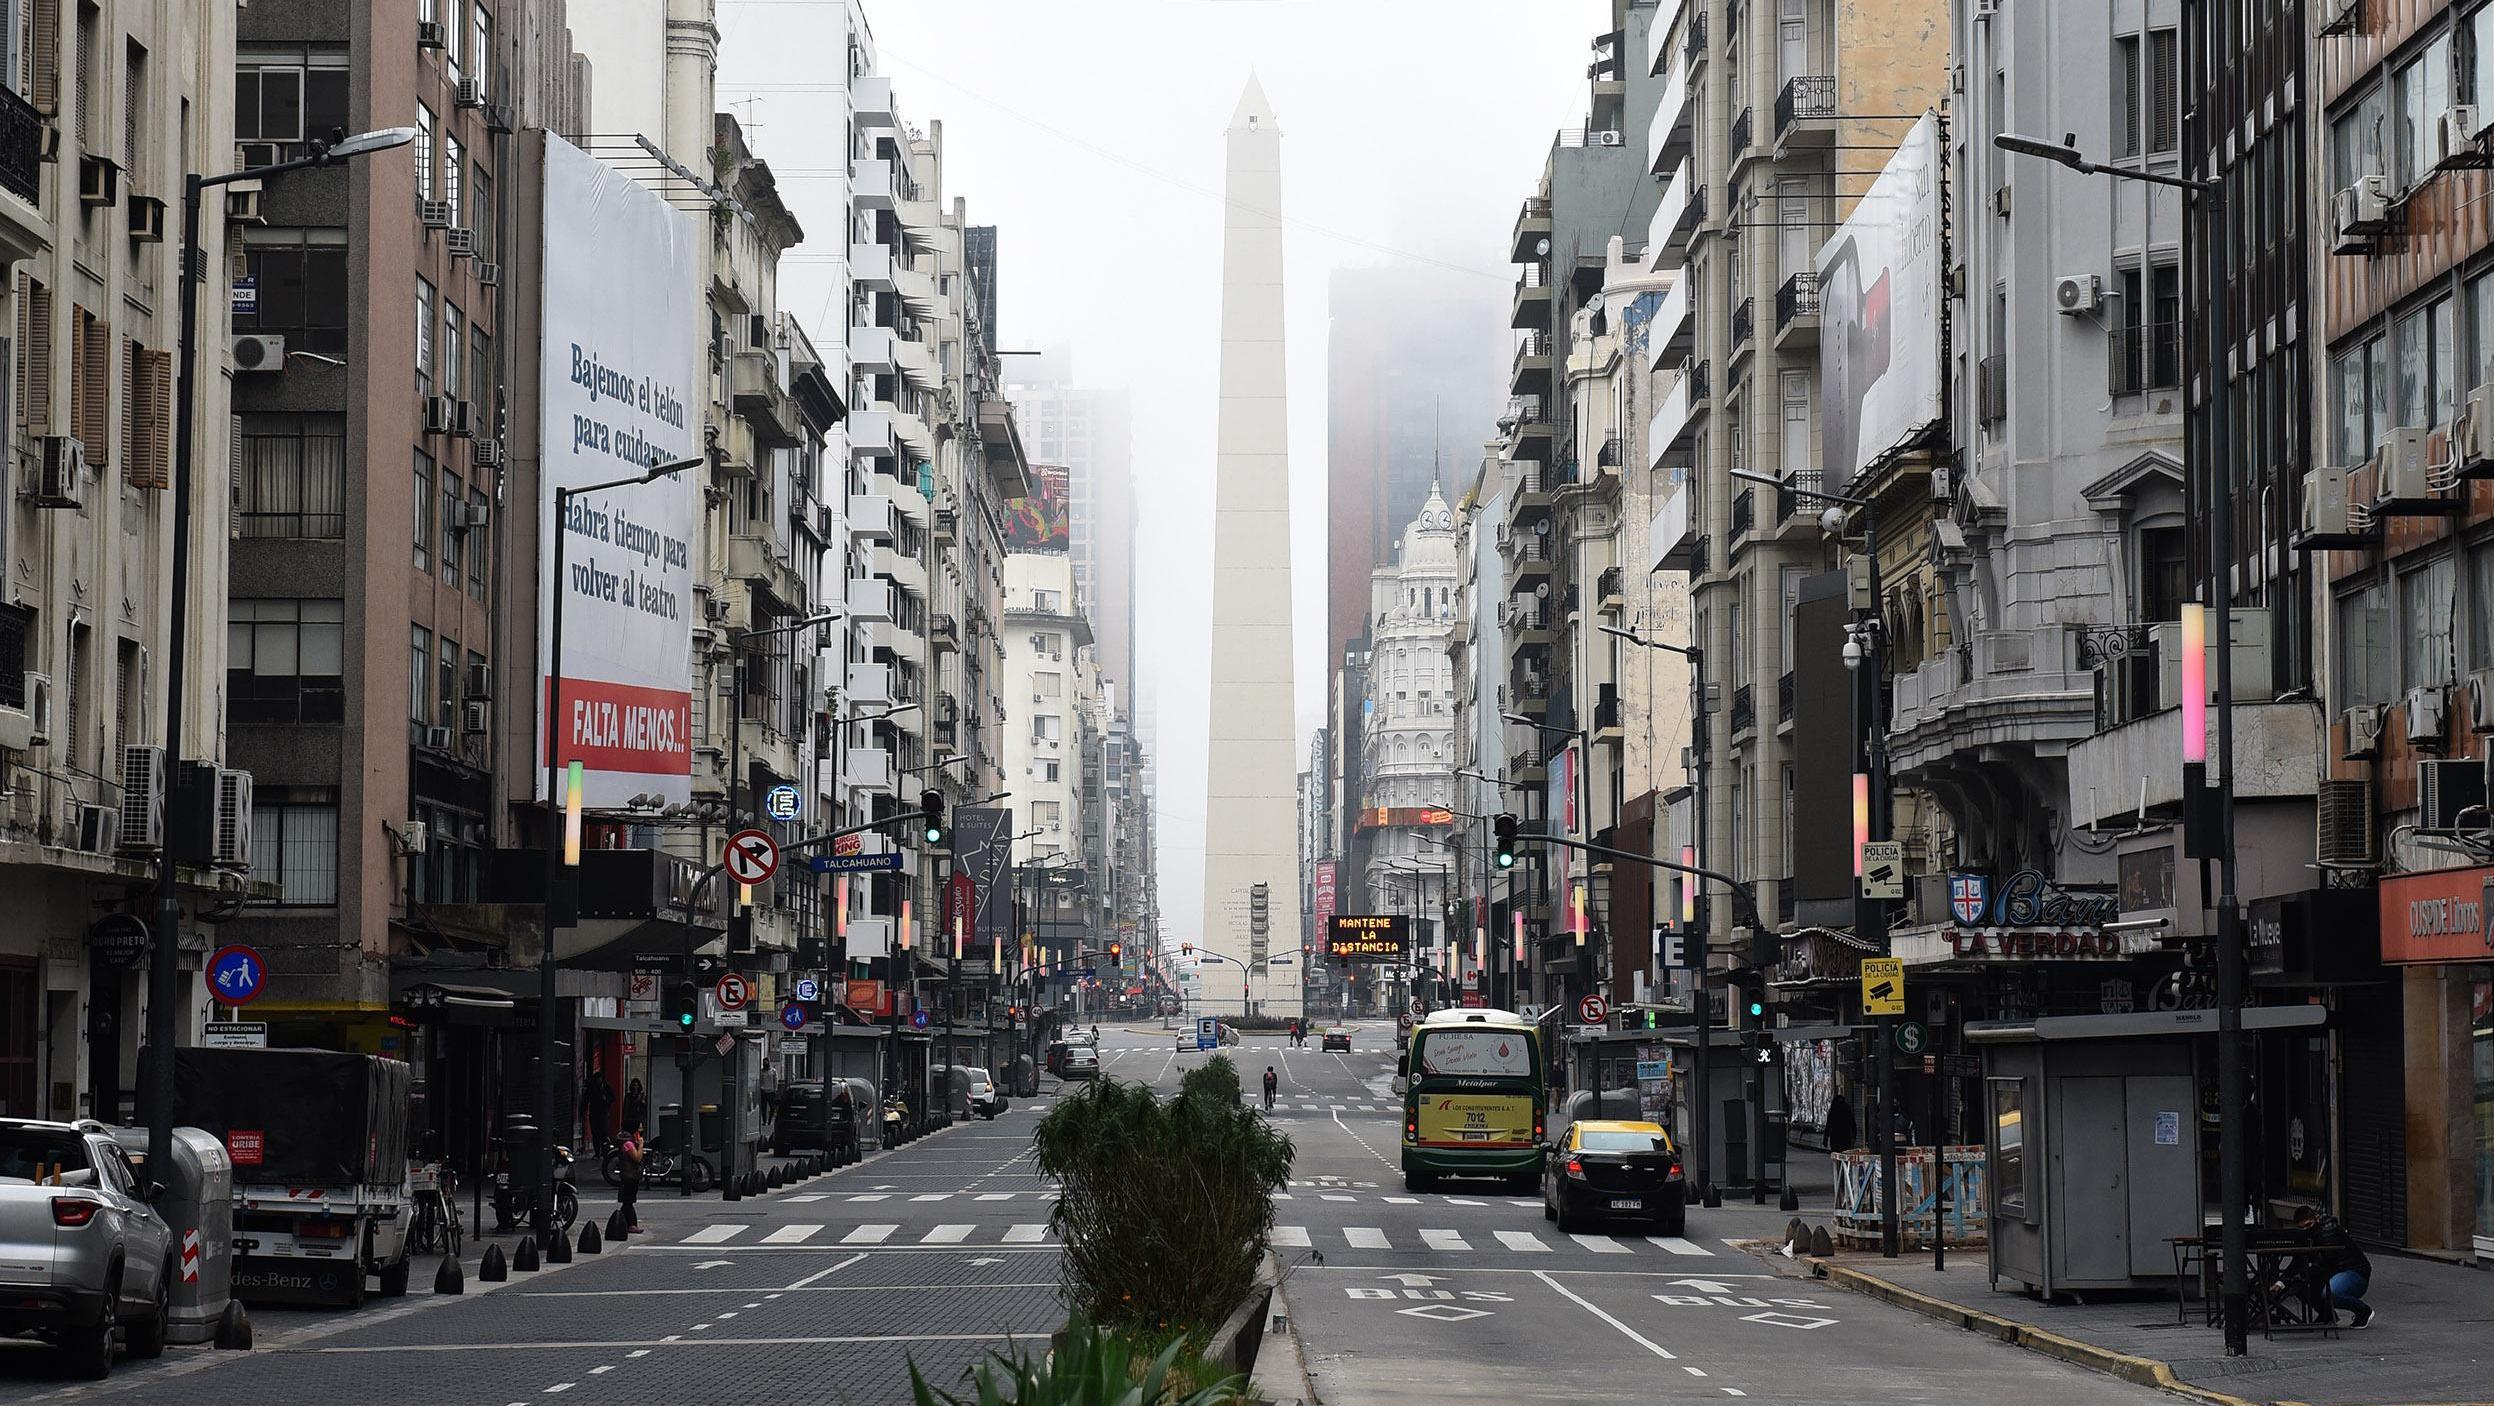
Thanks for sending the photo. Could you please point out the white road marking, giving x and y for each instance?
(1601, 1244)
(714, 1234)
(1530, 1205)
(995, 1196)
(602, 1371)
(560, 1386)
(1521, 1240)
(1444, 1240)
(1679, 1246)
(952, 1234)
(1025, 1234)
(1460, 1201)
(869, 1235)
(872, 1196)
(1288, 1237)
(1632, 1334)
(1366, 1237)
(932, 1196)
(1284, 1196)
(638, 1352)
(810, 1196)
(1402, 1200)
(792, 1235)
(731, 1313)
(1330, 1196)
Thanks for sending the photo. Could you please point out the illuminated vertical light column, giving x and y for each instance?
(1519, 937)
(2194, 683)
(1688, 887)
(575, 782)
(1861, 819)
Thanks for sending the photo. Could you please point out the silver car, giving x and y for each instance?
(82, 1253)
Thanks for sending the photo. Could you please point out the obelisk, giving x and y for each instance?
(1250, 805)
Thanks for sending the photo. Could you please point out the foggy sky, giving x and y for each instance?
(1089, 132)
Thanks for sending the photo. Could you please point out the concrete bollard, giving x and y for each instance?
(617, 1228)
(233, 1328)
(1820, 1242)
(1790, 1200)
(524, 1259)
(779, 1177)
(450, 1279)
(590, 1242)
(492, 1269)
(558, 1249)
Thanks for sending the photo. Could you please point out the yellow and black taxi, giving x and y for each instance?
(1603, 1169)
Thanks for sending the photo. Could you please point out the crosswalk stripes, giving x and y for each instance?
(812, 1196)
(1288, 1237)
(792, 1235)
(713, 1234)
(1679, 1246)
(1366, 1237)
(1521, 1240)
(1025, 1234)
(1443, 1240)
(947, 1235)
(872, 1196)
(1438, 1240)
(1601, 1244)
(869, 1235)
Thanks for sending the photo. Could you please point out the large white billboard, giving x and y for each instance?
(620, 352)
(1879, 309)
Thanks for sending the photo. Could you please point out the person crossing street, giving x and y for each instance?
(1271, 1082)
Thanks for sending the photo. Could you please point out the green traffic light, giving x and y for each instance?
(1505, 860)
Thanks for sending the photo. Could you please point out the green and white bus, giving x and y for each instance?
(1474, 1102)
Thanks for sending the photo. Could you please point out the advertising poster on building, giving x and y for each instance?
(1323, 902)
(983, 850)
(1039, 523)
(621, 345)
(1879, 305)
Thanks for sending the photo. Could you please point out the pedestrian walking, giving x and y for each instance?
(628, 1176)
(1272, 1082)
(597, 1103)
(635, 1106)
(768, 1090)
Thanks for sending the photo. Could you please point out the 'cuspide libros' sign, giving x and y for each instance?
(2026, 899)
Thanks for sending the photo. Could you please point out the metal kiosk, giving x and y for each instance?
(198, 1205)
(2092, 1143)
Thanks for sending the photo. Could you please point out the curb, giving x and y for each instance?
(2139, 1371)
(1281, 1376)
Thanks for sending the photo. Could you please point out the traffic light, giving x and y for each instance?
(1117, 954)
(681, 1002)
(1186, 949)
(1504, 826)
(932, 802)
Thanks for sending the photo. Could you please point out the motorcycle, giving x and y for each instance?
(512, 1200)
(895, 1115)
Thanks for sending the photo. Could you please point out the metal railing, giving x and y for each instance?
(1793, 496)
(1740, 135)
(1992, 388)
(1744, 322)
(1695, 44)
(1605, 707)
(1697, 556)
(1608, 583)
(21, 148)
(1784, 697)
(1799, 297)
(2129, 677)
(1744, 511)
(2147, 357)
(1808, 95)
(1609, 456)
(1744, 709)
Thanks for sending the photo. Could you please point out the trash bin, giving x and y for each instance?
(713, 1128)
(198, 1203)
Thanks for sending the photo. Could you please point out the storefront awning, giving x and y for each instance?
(2139, 1025)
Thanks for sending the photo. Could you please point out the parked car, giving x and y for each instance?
(1337, 1039)
(1081, 1062)
(82, 1252)
(816, 1117)
(1607, 1168)
(975, 1091)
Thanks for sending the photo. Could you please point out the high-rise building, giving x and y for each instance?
(1251, 887)
(1089, 432)
(1407, 719)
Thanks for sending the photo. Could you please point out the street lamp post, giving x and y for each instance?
(1584, 806)
(164, 972)
(1516, 970)
(562, 847)
(2215, 474)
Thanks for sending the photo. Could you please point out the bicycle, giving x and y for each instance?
(434, 1225)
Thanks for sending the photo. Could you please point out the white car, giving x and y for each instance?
(82, 1253)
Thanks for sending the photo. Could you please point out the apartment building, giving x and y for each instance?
(1089, 431)
(1406, 782)
(2396, 518)
(1054, 683)
(103, 109)
(1774, 113)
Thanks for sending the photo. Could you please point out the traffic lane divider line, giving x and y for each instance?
(645, 1344)
(1605, 1315)
(2139, 1371)
(822, 1274)
(809, 1289)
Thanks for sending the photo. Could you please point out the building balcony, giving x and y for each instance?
(870, 267)
(870, 351)
(1667, 136)
(870, 186)
(921, 217)
(1738, 147)
(1671, 533)
(758, 560)
(1693, 47)
(915, 288)
(1744, 512)
(1531, 305)
(916, 361)
(1528, 495)
(871, 517)
(23, 133)
(867, 769)
(1744, 325)
(1794, 497)
(1682, 210)
(1797, 312)
(910, 434)
(2147, 357)
(1529, 373)
(869, 686)
(1671, 434)
(869, 600)
(1805, 112)
(1673, 331)
(870, 102)
(1609, 589)
(1530, 240)
(1534, 433)
(1606, 711)
(1744, 709)
(1527, 624)
(1528, 560)
(870, 434)
(902, 569)
(1528, 694)
(1700, 555)
(1784, 698)
(765, 405)
(1608, 459)
(2278, 747)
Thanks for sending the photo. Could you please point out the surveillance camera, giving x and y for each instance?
(1853, 652)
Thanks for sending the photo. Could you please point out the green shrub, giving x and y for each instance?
(1163, 1207)
(1093, 1367)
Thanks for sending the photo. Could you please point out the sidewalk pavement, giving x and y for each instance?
(2433, 1339)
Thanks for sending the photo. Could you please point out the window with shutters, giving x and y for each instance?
(17, 637)
(43, 50)
(2147, 102)
(73, 696)
(128, 702)
(91, 385)
(88, 82)
(34, 356)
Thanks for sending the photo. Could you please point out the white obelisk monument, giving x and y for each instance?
(1250, 801)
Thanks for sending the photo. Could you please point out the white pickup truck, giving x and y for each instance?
(83, 1253)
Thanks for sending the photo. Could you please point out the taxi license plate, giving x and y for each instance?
(1625, 1203)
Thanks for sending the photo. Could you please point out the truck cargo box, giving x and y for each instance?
(298, 1117)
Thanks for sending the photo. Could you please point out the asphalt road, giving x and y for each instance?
(939, 1253)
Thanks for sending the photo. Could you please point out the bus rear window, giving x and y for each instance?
(1481, 1053)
